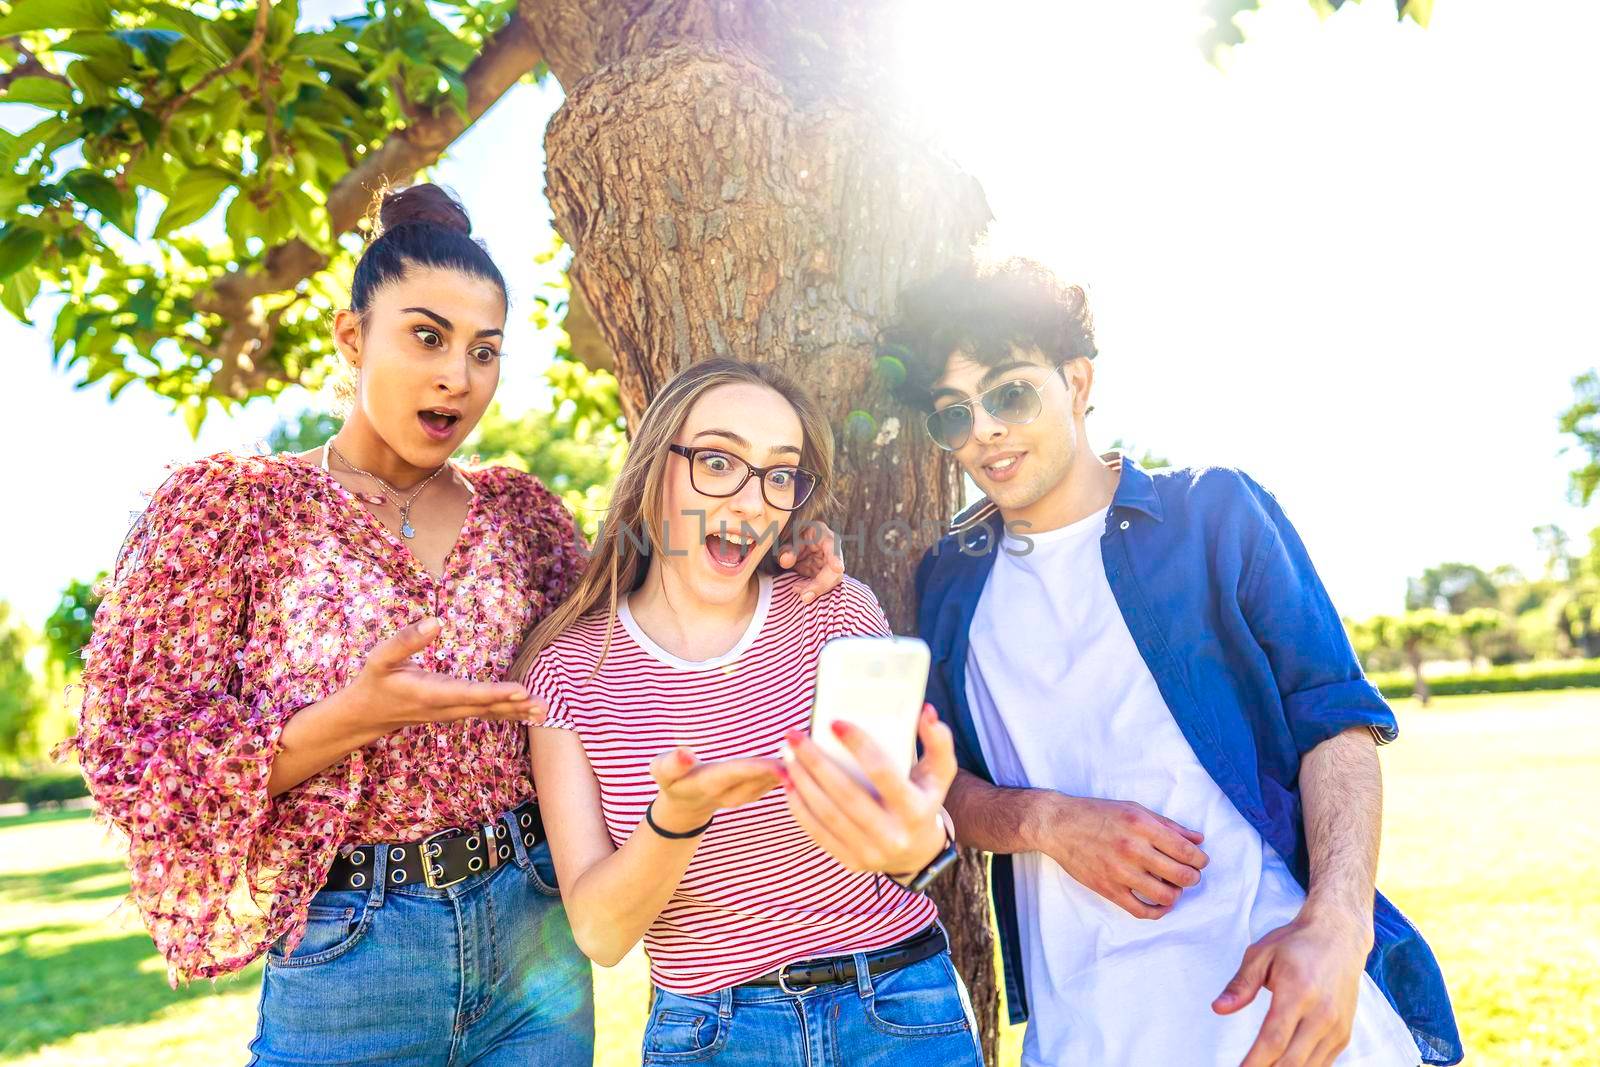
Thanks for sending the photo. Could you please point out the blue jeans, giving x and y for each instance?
(914, 1016)
(483, 972)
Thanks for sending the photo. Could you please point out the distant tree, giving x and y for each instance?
(1417, 635)
(1148, 460)
(303, 432)
(1582, 422)
(1555, 546)
(67, 629)
(21, 704)
(1475, 626)
(575, 445)
(1451, 587)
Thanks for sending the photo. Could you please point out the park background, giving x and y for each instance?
(1352, 255)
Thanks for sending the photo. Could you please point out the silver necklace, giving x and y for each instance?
(406, 529)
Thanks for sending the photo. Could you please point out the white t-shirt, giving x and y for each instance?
(1062, 700)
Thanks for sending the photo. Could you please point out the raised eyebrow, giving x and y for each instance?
(784, 450)
(488, 333)
(729, 434)
(434, 315)
(944, 391)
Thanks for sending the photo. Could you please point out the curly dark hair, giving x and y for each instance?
(982, 312)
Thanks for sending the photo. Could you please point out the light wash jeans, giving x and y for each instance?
(917, 1016)
(484, 972)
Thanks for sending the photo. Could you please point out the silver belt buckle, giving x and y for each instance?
(429, 852)
(783, 982)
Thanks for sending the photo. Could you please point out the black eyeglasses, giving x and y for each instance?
(715, 472)
(1017, 402)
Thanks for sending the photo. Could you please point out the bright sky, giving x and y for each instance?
(1358, 263)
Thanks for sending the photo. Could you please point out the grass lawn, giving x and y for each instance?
(1491, 846)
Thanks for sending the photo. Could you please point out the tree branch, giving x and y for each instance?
(258, 38)
(28, 67)
(511, 53)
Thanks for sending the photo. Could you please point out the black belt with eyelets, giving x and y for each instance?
(440, 859)
(806, 975)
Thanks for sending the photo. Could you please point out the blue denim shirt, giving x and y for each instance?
(1250, 656)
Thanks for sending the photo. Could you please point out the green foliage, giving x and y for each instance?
(1582, 422)
(304, 432)
(1581, 674)
(1146, 459)
(1223, 31)
(575, 445)
(52, 789)
(21, 703)
(1451, 587)
(67, 630)
(178, 142)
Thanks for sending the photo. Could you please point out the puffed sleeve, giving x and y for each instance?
(174, 755)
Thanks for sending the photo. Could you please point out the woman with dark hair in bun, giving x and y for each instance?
(293, 704)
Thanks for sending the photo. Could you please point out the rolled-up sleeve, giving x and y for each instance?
(1320, 682)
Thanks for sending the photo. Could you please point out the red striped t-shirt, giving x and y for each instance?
(758, 893)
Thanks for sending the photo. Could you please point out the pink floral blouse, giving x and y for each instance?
(250, 588)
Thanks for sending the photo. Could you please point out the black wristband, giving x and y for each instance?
(649, 817)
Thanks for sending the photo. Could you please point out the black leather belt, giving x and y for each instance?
(806, 975)
(440, 859)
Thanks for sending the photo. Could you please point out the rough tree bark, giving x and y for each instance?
(732, 185)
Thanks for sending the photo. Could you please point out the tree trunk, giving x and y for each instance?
(1414, 658)
(731, 187)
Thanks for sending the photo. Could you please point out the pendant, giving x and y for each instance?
(407, 530)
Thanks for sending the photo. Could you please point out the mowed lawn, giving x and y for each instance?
(1491, 845)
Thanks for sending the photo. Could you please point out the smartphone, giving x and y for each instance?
(877, 684)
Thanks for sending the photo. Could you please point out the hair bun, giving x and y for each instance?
(425, 203)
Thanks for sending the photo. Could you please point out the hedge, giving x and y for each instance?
(52, 789)
(1513, 678)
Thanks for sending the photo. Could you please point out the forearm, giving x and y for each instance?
(614, 901)
(1341, 789)
(320, 735)
(996, 819)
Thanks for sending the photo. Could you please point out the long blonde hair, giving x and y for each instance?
(621, 556)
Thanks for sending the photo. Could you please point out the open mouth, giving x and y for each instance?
(438, 423)
(1004, 467)
(729, 550)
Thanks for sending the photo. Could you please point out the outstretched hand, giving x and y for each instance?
(693, 790)
(398, 693)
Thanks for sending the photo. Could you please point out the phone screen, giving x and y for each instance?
(876, 684)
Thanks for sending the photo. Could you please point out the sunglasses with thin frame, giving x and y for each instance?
(717, 472)
(1017, 402)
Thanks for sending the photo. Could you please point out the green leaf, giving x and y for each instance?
(40, 92)
(100, 193)
(19, 245)
(154, 45)
(1419, 11)
(381, 73)
(32, 15)
(194, 413)
(150, 171)
(198, 30)
(196, 194)
(93, 43)
(94, 88)
(18, 293)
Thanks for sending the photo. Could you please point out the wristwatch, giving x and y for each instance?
(923, 880)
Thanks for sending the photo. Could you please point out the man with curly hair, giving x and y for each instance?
(1165, 738)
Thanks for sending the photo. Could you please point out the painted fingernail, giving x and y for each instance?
(794, 737)
(840, 729)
